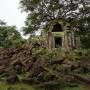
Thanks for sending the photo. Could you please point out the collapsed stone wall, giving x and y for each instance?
(37, 69)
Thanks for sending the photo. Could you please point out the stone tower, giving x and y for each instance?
(60, 35)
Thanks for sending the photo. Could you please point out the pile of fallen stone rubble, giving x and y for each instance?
(37, 70)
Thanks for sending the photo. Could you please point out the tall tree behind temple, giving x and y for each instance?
(9, 36)
(41, 11)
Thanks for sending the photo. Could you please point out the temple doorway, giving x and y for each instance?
(58, 42)
(57, 28)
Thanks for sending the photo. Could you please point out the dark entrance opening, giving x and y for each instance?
(58, 42)
(57, 28)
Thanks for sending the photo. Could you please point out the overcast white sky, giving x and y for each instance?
(10, 13)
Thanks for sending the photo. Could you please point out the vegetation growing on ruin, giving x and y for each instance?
(30, 64)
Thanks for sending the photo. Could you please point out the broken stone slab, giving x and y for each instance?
(82, 78)
(12, 79)
(57, 61)
(47, 84)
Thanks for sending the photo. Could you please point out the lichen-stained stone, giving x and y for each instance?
(64, 33)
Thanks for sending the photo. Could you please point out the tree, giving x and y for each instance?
(76, 12)
(85, 39)
(42, 11)
(9, 36)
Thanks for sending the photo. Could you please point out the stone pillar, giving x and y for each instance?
(77, 42)
(69, 40)
(66, 40)
(53, 42)
(73, 40)
(50, 40)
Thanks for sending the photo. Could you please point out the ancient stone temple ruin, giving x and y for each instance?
(61, 35)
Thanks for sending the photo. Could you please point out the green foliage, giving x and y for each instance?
(9, 36)
(51, 54)
(75, 12)
(77, 54)
(48, 54)
(22, 86)
(80, 87)
(40, 12)
(39, 51)
(85, 39)
(17, 86)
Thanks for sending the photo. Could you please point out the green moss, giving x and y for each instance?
(18, 86)
(22, 86)
(77, 54)
(80, 87)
